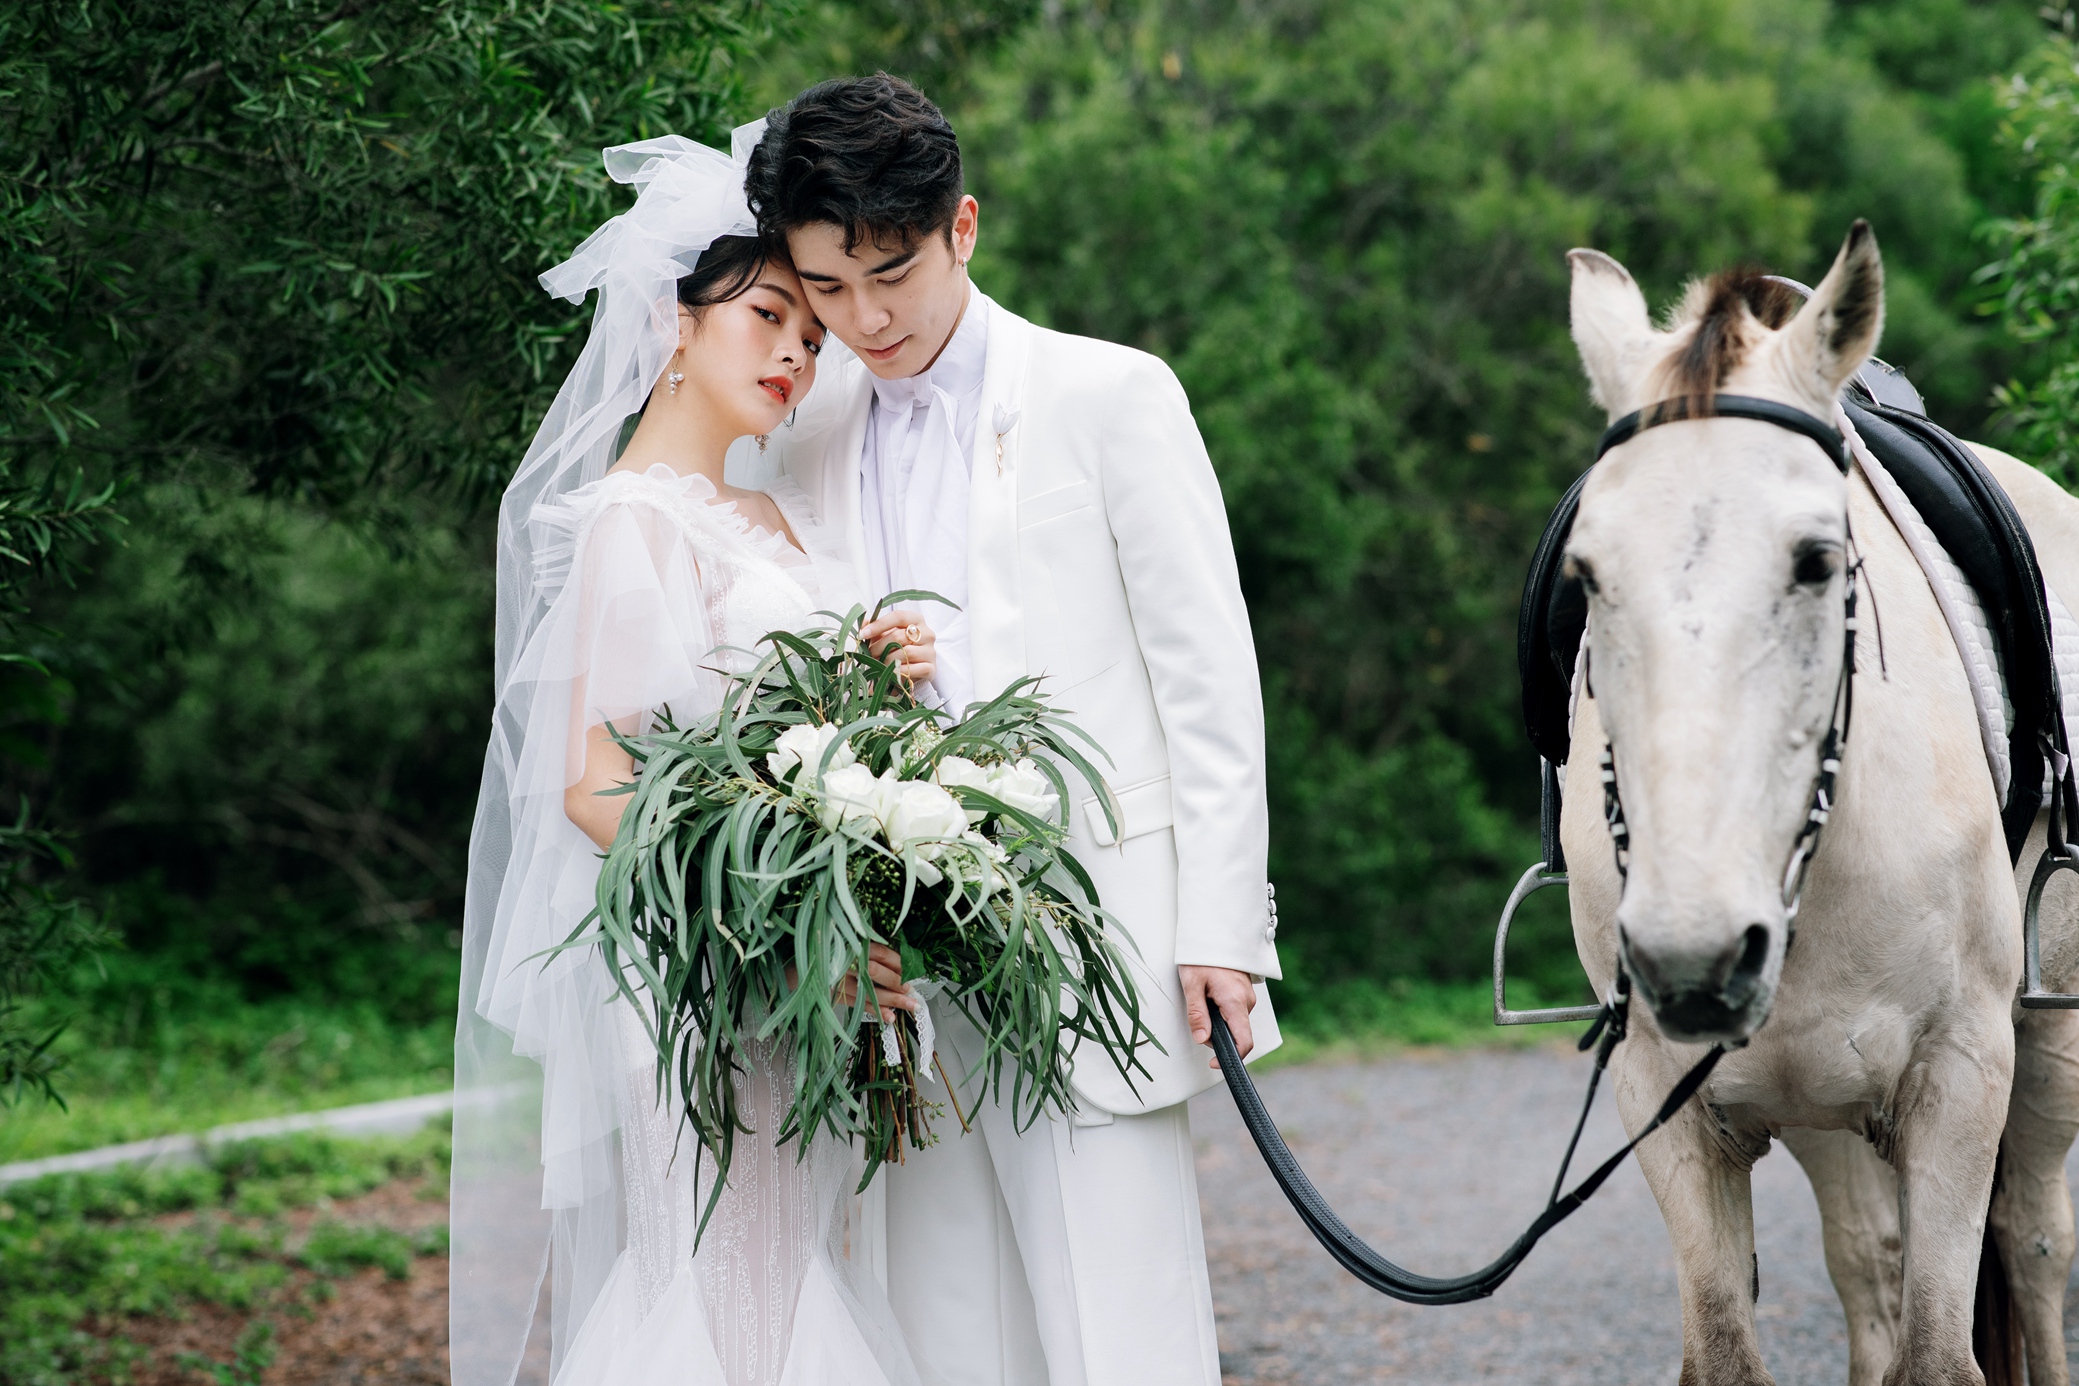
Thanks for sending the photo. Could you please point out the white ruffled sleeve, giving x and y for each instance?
(628, 630)
(631, 627)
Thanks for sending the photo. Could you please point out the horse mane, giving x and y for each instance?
(1727, 316)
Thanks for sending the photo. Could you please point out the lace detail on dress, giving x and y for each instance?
(829, 579)
(764, 1231)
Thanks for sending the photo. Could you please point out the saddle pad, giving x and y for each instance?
(1971, 516)
(1964, 613)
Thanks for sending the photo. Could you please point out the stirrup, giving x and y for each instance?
(1550, 872)
(2058, 855)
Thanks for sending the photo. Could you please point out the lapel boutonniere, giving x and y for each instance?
(1006, 420)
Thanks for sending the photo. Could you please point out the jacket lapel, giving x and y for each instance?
(995, 598)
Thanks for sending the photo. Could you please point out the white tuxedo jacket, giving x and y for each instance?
(1099, 558)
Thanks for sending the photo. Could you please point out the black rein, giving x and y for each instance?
(1357, 1257)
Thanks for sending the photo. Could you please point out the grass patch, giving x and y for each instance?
(81, 1254)
(161, 1067)
(1362, 1018)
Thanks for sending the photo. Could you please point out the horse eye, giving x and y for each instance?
(1813, 566)
(1581, 571)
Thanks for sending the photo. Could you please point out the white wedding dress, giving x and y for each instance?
(651, 586)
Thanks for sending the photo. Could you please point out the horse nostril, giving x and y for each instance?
(1747, 957)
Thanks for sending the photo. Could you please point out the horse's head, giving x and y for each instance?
(1713, 554)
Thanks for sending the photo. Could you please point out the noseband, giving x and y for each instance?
(1836, 740)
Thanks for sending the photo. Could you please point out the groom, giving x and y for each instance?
(1055, 489)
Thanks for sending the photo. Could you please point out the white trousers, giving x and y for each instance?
(1068, 1255)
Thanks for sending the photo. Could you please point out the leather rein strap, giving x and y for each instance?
(1835, 742)
(1358, 1257)
(1351, 1251)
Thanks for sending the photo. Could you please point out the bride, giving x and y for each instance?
(630, 572)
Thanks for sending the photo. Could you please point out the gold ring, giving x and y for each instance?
(915, 632)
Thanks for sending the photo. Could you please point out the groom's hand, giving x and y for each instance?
(1226, 988)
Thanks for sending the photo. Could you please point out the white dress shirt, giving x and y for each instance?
(913, 477)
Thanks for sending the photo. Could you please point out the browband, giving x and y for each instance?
(1728, 407)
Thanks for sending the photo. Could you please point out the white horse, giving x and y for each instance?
(1894, 1062)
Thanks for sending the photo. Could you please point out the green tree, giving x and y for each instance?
(2037, 276)
(263, 267)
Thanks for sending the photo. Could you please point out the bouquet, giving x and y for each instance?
(821, 809)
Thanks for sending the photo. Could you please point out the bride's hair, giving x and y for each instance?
(725, 269)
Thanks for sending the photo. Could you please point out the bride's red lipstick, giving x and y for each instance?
(779, 385)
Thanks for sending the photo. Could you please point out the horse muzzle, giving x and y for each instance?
(1715, 986)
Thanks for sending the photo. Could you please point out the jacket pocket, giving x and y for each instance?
(1142, 808)
(1052, 505)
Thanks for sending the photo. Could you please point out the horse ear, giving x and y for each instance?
(1611, 328)
(1837, 330)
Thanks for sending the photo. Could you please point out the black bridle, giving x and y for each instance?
(1612, 1023)
(1728, 407)
(1836, 740)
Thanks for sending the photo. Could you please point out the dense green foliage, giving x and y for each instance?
(82, 1254)
(268, 270)
(267, 291)
(2038, 274)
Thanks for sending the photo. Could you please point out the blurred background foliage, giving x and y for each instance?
(267, 285)
(272, 341)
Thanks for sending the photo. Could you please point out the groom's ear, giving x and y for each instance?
(966, 228)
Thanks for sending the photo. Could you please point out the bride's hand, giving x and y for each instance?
(884, 972)
(913, 643)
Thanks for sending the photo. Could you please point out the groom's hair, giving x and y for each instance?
(870, 154)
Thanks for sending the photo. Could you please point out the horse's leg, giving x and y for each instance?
(1859, 1213)
(2032, 1206)
(2031, 1217)
(1951, 1105)
(1701, 1182)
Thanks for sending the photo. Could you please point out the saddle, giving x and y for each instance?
(1969, 515)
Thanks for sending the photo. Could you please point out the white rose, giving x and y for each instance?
(918, 811)
(804, 745)
(851, 793)
(958, 772)
(1024, 786)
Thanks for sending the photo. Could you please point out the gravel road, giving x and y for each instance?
(1439, 1161)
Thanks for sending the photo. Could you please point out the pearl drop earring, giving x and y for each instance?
(674, 378)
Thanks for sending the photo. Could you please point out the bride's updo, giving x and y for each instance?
(725, 269)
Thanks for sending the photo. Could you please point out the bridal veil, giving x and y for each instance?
(537, 1168)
